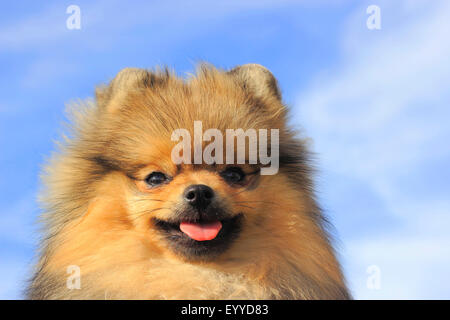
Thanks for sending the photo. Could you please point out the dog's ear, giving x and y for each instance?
(109, 96)
(257, 79)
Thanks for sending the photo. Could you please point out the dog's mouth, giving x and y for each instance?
(202, 238)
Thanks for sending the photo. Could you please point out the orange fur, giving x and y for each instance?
(98, 210)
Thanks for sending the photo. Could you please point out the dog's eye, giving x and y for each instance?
(156, 178)
(233, 174)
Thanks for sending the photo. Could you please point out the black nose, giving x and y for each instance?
(198, 195)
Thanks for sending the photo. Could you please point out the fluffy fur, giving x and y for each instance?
(97, 217)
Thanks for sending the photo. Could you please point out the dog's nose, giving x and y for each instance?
(198, 195)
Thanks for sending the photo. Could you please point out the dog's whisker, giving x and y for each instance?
(247, 189)
(236, 193)
(150, 211)
(242, 205)
(147, 199)
(256, 201)
(146, 212)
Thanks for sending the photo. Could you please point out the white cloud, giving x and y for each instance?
(17, 221)
(102, 21)
(381, 117)
(412, 266)
(48, 71)
(18, 236)
(13, 277)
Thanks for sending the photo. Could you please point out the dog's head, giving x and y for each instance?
(149, 179)
(199, 207)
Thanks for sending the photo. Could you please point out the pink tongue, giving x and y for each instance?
(201, 231)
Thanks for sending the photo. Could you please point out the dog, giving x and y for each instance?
(122, 220)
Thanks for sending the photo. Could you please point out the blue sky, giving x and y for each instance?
(376, 104)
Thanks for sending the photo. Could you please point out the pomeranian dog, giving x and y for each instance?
(122, 220)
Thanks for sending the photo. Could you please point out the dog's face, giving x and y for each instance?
(195, 211)
(140, 223)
